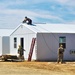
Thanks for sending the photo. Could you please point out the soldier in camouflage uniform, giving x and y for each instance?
(60, 54)
(21, 52)
(27, 20)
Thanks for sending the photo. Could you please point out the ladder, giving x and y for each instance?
(31, 49)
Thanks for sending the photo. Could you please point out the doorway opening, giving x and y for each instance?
(22, 42)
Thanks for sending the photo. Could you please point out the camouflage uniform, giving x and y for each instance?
(21, 52)
(27, 20)
(60, 54)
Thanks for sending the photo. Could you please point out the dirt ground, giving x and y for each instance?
(37, 68)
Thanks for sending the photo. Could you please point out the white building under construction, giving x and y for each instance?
(48, 38)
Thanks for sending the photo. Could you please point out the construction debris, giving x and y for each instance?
(10, 58)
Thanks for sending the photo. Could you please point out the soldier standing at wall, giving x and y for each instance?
(60, 54)
(21, 52)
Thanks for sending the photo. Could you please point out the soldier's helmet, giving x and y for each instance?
(19, 45)
(61, 45)
(26, 17)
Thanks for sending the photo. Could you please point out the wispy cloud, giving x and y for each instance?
(18, 15)
(12, 12)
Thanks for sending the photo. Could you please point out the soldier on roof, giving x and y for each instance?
(27, 20)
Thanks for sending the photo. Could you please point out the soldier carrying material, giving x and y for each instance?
(21, 52)
(60, 54)
(27, 20)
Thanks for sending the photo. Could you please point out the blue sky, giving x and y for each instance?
(12, 12)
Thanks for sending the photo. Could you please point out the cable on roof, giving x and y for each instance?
(51, 33)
